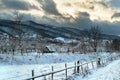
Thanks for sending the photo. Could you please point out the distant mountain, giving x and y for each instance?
(48, 31)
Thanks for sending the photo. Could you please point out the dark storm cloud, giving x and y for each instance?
(109, 28)
(105, 26)
(17, 4)
(50, 21)
(82, 21)
(84, 14)
(115, 15)
(5, 16)
(49, 7)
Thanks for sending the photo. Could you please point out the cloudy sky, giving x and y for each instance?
(68, 13)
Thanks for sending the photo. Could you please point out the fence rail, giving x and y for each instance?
(78, 68)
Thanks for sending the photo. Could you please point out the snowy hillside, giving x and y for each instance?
(49, 31)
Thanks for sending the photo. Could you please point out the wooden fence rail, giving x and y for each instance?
(77, 68)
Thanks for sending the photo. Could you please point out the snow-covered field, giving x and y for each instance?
(48, 58)
(20, 67)
(110, 72)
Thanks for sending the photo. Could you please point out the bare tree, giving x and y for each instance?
(18, 19)
(108, 46)
(85, 38)
(95, 36)
(92, 37)
(115, 45)
(1, 45)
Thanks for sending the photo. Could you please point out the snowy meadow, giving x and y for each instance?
(20, 67)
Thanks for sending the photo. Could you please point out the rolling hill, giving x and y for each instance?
(47, 31)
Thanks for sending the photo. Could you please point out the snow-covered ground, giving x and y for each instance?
(20, 67)
(110, 72)
(7, 59)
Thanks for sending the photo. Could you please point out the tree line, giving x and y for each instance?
(93, 40)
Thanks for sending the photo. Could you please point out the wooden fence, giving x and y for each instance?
(78, 68)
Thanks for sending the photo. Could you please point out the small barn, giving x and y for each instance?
(47, 50)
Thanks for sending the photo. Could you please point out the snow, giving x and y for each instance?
(35, 58)
(65, 40)
(20, 67)
(60, 39)
(110, 72)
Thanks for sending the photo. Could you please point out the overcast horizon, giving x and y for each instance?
(67, 13)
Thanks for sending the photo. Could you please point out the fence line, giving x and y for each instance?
(83, 67)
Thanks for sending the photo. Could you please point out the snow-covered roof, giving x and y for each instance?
(60, 39)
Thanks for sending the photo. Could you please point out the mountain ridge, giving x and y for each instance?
(47, 31)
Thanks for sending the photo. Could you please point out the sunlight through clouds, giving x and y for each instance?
(97, 10)
(66, 12)
(101, 10)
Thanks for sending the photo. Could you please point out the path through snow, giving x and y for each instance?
(110, 72)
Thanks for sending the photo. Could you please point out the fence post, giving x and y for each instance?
(99, 62)
(52, 73)
(102, 62)
(111, 58)
(33, 74)
(92, 64)
(66, 70)
(82, 68)
(75, 68)
(78, 67)
(87, 66)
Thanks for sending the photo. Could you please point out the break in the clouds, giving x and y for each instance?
(72, 13)
(114, 4)
(17, 5)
